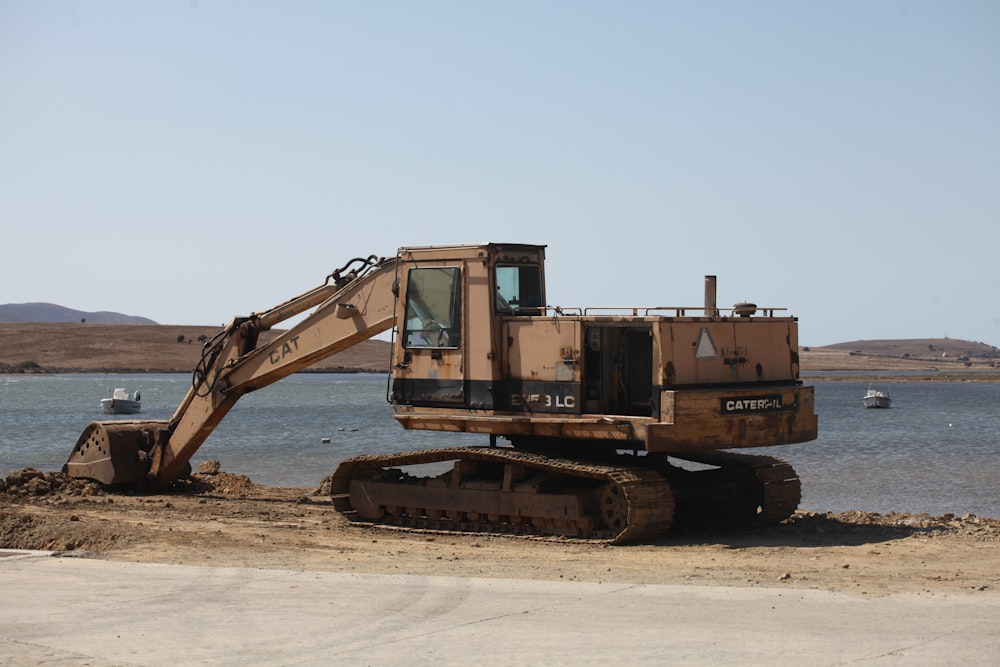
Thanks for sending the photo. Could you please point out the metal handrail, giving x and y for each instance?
(651, 311)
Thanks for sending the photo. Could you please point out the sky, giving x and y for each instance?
(194, 161)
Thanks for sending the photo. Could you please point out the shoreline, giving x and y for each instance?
(809, 376)
(901, 376)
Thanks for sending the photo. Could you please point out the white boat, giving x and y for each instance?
(122, 403)
(877, 399)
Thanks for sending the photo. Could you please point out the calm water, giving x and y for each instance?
(937, 450)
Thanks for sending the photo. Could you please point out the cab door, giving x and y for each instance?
(429, 349)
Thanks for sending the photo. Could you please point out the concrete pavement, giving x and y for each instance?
(77, 611)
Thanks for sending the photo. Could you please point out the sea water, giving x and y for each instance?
(937, 450)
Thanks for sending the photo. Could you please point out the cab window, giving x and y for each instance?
(433, 307)
(519, 289)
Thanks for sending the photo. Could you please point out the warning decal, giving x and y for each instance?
(705, 348)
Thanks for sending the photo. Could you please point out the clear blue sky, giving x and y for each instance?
(192, 161)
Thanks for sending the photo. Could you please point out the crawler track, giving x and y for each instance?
(745, 491)
(497, 490)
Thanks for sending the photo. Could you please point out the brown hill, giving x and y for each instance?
(934, 349)
(62, 347)
(917, 354)
(74, 347)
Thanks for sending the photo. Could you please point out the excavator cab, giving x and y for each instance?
(587, 410)
(449, 349)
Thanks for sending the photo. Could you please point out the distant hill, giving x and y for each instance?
(92, 347)
(50, 312)
(919, 348)
(915, 354)
(76, 347)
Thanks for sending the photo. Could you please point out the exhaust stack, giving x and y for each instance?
(711, 310)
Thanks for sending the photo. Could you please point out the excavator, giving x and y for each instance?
(604, 424)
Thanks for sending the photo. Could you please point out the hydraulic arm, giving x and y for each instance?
(356, 303)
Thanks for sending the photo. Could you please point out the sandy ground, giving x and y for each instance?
(223, 520)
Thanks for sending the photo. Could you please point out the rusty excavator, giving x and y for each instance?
(599, 423)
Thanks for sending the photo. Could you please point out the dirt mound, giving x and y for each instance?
(31, 482)
(57, 486)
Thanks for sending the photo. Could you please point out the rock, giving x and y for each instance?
(209, 468)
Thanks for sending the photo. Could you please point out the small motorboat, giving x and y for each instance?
(122, 403)
(876, 398)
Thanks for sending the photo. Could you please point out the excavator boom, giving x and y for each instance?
(351, 308)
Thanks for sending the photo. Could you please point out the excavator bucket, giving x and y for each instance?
(114, 452)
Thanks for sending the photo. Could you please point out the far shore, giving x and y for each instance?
(876, 377)
(807, 377)
(57, 348)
